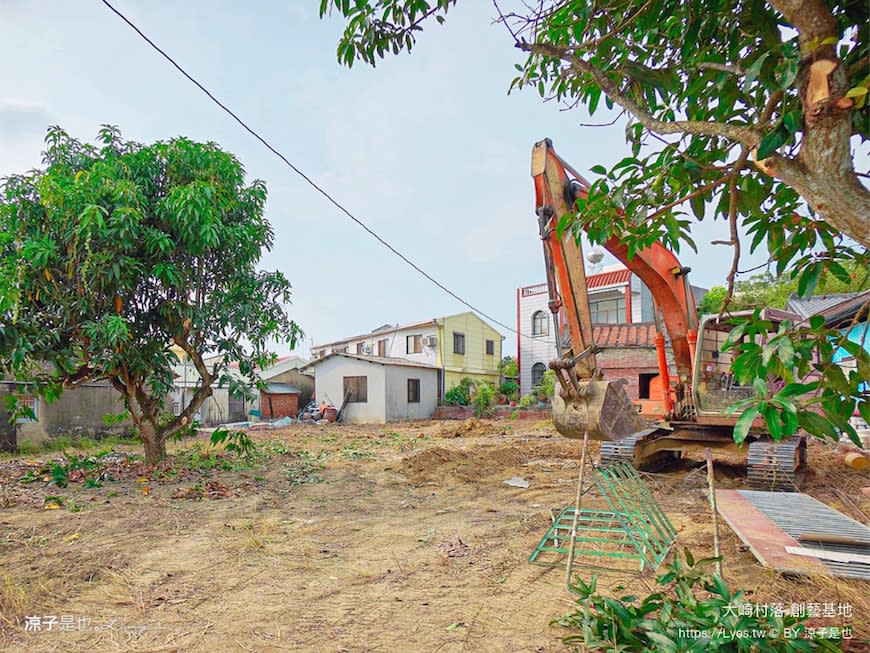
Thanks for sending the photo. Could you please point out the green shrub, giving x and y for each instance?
(484, 400)
(547, 385)
(527, 400)
(694, 611)
(237, 442)
(460, 395)
(510, 389)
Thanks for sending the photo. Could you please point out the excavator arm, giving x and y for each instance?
(557, 187)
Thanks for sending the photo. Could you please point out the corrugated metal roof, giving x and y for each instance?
(834, 308)
(638, 334)
(281, 389)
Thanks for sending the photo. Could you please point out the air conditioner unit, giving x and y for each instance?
(431, 341)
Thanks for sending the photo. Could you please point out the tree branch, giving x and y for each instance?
(812, 19)
(722, 67)
(748, 136)
(203, 392)
(699, 191)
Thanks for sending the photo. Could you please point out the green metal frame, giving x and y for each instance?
(632, 531)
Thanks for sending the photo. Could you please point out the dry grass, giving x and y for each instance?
(410, 532)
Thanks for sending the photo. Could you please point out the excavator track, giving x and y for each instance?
(622, 451)
(618, 451)
(772, 465)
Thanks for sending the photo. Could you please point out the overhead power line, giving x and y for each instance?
(299, 172)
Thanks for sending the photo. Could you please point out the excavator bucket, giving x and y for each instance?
(604, 409)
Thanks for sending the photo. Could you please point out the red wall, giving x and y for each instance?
(282, 405)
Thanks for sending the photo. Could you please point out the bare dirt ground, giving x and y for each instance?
(347, 538)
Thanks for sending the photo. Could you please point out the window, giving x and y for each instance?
(413, 344)
(539, 324)
(538, 371)
(490, 348)
(458, 343)
(32, 403)
(358, 388)
(413, 391)
(382, 347)
(608, 311)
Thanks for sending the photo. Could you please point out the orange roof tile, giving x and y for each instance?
(617, 277)
(639, 334)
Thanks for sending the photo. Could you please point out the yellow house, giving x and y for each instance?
(467, 346)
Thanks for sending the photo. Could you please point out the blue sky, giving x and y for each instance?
(428, 149)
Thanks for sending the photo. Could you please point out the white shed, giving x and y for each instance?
(381, 389)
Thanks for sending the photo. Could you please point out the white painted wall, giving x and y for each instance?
(534, 349)
(396, 344)
(397, 392)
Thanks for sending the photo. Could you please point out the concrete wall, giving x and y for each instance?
(77, 412)
(329, 380)
(397, 405)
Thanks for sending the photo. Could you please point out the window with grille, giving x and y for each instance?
(413, 391)
(458, 343)
(490, 347)
(539, 324)
(358, 388)
(538, 371)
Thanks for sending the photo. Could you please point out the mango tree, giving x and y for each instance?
(111, 256)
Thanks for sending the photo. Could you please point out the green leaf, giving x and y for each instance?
(793, 121)
(744, 423)
(771, 142)
(752, 73)
(774, 424)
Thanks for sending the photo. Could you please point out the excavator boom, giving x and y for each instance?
(585, 402)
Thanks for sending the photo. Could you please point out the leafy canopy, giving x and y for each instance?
(741, 110)
(111, 255)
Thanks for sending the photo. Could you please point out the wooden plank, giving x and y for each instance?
(839, 556)
(766, 540)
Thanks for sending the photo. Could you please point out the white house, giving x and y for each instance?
(381, 389)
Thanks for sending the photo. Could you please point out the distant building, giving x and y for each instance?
(617, 298)
(461, 345)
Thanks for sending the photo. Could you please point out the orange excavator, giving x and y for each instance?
(694, 387)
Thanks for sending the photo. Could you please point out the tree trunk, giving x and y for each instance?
(154, 443)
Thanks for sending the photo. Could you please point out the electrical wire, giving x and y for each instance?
(299, 172)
